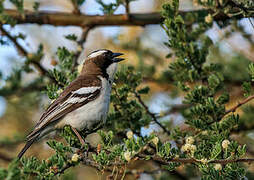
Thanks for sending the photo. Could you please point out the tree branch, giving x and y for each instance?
(150, 113)
(68, 19)
(159, 160)
(19, 48)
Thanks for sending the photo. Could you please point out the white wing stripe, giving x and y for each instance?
(72, 100)
(86, 90)
(75, 100)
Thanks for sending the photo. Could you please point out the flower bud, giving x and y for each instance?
(155, 140)
(186, 147)
(129, 134)
(75, 158)
(193, 148)
(218, 167)
(189, 140)
(209, 19)
(225, 144)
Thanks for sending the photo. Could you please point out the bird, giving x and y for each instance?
(84, 103)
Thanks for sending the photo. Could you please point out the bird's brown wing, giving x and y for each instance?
(80, 92)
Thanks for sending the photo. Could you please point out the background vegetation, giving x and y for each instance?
(180, 106)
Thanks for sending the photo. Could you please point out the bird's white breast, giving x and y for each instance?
(92, 113)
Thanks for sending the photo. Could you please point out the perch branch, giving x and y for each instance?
(68, 19)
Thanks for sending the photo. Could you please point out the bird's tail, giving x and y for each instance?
(28, 144)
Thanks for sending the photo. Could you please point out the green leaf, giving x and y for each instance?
(144, 90)
(78, 2)
(216, 150)
(19, 5)
(71, 37)
(36, 6)
(251, 71)
(247, 88)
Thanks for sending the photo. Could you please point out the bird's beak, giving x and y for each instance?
(115, 59)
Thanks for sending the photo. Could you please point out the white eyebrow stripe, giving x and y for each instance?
(97, 53)
(86, 90)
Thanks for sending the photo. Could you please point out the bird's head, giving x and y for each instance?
(102, 60)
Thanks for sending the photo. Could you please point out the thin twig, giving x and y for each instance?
(67, 166)
(75, 7)
(251, 23)
(84, 35)
(19, 48)
(150, 113)
(174, 109)
(127, 8)
(233, 109)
